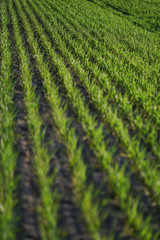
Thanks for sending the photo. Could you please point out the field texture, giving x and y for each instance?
(79, 119)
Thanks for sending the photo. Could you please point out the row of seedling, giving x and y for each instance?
(131, 145)
(140, 64)
(83, 193)
(117, 69)
(143, 130)
(48, 205)
(117, 175)
(8, 154)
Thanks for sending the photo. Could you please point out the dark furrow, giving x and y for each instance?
(26, 192)
(71, 223)
(70, 215)
(98, 178)
(115, 220)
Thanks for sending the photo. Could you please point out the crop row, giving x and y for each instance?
(79, 173)
(98, 59)
(119, 70)
(86, 120)
(47, 208)
(121, 103)
(131, 145)
(7, 115)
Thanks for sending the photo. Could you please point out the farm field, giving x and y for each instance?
(79, 120)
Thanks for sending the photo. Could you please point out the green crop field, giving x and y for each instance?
(79, 119)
